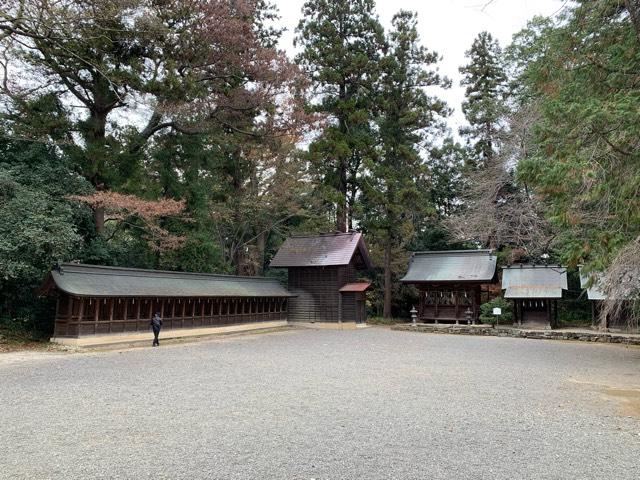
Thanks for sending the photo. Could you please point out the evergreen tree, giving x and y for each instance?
(342, 41)
(194, 66)
(396, 193)
(484, 108)
(38, 226)
(581, 75)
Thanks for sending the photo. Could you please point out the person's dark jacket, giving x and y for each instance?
(156, 322)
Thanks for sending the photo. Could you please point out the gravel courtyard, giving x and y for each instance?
(309, 404)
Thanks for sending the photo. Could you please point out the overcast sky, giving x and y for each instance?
(446, 26)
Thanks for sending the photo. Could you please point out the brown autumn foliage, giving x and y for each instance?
(123, 210)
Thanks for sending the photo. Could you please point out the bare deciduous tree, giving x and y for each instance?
(499, 209)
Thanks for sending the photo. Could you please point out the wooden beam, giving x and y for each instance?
(111, 307)
(80, 314)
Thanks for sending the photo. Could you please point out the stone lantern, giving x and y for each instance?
(414, 315)
(468, 314)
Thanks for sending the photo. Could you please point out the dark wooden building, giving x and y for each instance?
(95, 300)
(324, 273)
(535, 290)
(450, 283)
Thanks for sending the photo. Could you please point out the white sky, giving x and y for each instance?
(446, 26)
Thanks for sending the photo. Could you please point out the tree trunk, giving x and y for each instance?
(261, 243)
(343, 165)
(95, 138)
(633, 6)
(386, 313)
(341, 210)
(353, 192)
(239, 260)
(98, 218)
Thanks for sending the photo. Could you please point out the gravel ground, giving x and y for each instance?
(307, 404)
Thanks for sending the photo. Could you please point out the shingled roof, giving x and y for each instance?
(321, 250)
(451, 266)
(97, 281)
(534, 281)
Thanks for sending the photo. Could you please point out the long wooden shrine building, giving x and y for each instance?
(94, 300)
(325, 273)
(450, 283)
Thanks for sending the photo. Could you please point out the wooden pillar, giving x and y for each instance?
(70, 308)
(111, 307)
(80, 314)
(456, 305)
(56, 324)
(138, 312)
(184, 311)
(549, 314)
(96, 312)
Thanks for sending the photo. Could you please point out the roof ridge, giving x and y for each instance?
(517, 266)
(449, 252)
(319, 235)
(159, 273)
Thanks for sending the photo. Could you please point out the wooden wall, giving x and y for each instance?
(317, 290)
(353, 307)
(79, 316)
(448, 302)
(536, 312)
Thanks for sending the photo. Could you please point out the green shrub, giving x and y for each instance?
(486, 311)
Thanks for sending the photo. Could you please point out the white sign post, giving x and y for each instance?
(497, 311)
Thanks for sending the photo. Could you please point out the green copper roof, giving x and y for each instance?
(97, 281)
(451, 266)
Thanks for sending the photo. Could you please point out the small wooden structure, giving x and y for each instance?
(96, 300)
(450, 283)
(323, 274)
(535, 290)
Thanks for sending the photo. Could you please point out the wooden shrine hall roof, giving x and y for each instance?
(451, 266)
(98, 281)
(534, 281)
(321, 250)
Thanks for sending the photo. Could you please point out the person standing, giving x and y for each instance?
(156, 325)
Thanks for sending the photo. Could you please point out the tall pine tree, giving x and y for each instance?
(342, 41)
(484, 107)
(395, 191)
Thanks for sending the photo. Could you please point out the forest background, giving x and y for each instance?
(175, 134)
